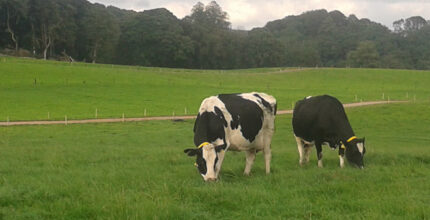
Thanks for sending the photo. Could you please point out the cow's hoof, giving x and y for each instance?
(302, 163)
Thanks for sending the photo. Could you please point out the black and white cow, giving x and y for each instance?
(322, 120)
(238, 122)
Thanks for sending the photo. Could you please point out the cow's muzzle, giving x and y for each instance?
(210, 180)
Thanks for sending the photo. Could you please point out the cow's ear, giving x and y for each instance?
(220, 147)
(191, 151)
(363, 139)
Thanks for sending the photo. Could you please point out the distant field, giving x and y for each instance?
(138, 171)
(32, 89)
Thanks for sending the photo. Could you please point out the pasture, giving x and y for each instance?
(139, 170)
(31, 89)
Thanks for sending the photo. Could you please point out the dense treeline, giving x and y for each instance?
(80, 30)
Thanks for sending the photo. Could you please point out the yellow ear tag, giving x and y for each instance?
(351, 138)
(203, 144)
(343, 146)
(195, 164)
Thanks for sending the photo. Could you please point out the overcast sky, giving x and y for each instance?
(247, 14)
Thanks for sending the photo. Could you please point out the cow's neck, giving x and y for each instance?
(346, 133)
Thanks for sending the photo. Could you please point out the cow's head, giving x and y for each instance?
(208, 159)
(355, 151)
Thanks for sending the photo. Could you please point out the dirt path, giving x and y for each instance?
(158, 118)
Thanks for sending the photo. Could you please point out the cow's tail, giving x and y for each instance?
(275, 108)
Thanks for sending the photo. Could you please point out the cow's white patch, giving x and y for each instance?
(237, 142)
(308, 142)
(218, 142)
(251, 96)
(309, 97)
(360, 147)
(304, 151)
(209, 155)
(320, 163)
(301, 150)
(341, 161)
(220, 155)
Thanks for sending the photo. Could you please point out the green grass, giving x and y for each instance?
(77, 90)
(138, 171)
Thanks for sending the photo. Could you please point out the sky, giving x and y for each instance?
(247, 14)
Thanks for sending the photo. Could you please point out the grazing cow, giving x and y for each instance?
(322, 120)
(238, 122)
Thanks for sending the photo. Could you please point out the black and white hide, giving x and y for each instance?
(238, 122)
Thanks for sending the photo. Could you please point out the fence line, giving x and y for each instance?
(159, 118)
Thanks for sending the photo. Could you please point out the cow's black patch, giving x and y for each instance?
(201, 163)
(219, 113)
(245, 113)
(264, 102)
(209, 127)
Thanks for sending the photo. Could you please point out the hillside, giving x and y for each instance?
(82, 31)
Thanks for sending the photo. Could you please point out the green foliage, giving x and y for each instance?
(101, 34)
(154, 38)
(263, 49)
(365, 55)
(204, 39)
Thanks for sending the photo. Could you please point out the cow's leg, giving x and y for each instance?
(319, 154)
(250, 157)
(307, 151)
(267, 157)
(342, 156)
(300, 148)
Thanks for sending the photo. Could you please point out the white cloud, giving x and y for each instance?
(256, 13)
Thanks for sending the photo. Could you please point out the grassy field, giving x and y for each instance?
(32, 89)
(139, 170)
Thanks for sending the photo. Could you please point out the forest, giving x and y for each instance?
(77, 30)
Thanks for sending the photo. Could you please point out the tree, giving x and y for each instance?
(45, 21)
(365, 55)
(208, 28)
(263, 49)
(414, 23)
(154, 38)
(101, 33)
(406, 26)
(398, 26)
(14, 16)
